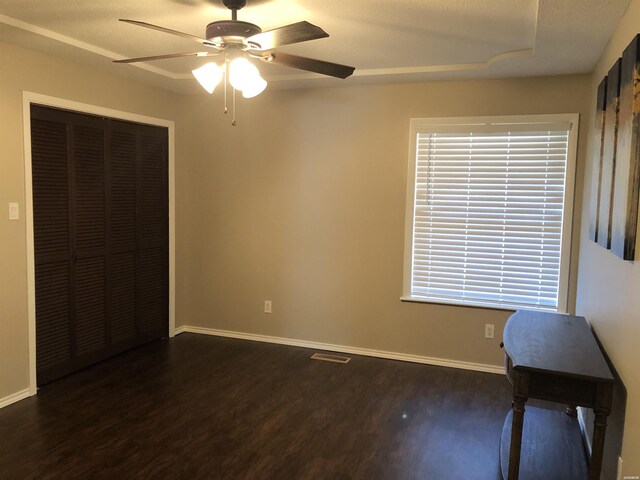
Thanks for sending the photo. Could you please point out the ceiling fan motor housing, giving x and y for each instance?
(230, 31)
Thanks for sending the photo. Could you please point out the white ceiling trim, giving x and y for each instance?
(28, 27)
(454, 67)
(372, 72)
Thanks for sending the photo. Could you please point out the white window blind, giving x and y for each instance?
(488, 214)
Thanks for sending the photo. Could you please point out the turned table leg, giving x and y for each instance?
(604, 397)
(599, 431)
(516, 436)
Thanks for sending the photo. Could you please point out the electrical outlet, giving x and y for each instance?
(489, 330)
(267, 306)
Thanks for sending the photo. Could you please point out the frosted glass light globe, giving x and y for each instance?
(209, 76)
(255, 87)
(242, 73)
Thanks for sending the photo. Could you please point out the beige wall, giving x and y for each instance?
(20, 70)
(608, 288)
(304, 204)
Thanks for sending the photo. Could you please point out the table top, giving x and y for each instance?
(556, 344)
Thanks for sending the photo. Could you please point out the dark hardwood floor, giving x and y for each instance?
(205, 407)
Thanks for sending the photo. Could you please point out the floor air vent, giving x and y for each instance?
(330, 358)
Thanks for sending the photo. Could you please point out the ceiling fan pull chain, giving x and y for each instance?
(225, 83)
(234, 108)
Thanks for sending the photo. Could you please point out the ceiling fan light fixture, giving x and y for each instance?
(242, 73)
(255, 88)
(209, 76)
(238, 40)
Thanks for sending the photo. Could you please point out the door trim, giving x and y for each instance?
(27, 99)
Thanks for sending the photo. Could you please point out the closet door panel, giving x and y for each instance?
(88, 137)
(123, 233)
(100, 196)
(153, 232)
(52, 244)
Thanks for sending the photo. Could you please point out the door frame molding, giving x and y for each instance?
(29, 98)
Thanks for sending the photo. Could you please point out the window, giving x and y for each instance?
(489, 211)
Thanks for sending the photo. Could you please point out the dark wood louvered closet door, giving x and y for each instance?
(100, 202)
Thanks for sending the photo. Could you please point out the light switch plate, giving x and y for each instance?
(14, 211)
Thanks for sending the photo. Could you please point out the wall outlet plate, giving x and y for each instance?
(489, 330)
(14, 211)
(267, 306)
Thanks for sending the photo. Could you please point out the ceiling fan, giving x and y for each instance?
(239, 41)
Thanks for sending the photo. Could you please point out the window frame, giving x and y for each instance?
(428, 125)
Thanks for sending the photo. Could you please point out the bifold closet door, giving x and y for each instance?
(100, 237)
(139, 240)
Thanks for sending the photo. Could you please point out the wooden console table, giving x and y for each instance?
(555, 357)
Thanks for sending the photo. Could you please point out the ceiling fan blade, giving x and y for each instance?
(310, 64)
(199, 40)
(294, 33)
(170, 55)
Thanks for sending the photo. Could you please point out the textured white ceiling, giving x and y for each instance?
(386, 40)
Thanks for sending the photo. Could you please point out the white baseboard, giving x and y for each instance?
(582, 421)
(441, 362)
(16, 397)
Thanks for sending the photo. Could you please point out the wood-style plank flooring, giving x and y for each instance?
(204, 407)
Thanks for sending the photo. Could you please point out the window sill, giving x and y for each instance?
(462, 303)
